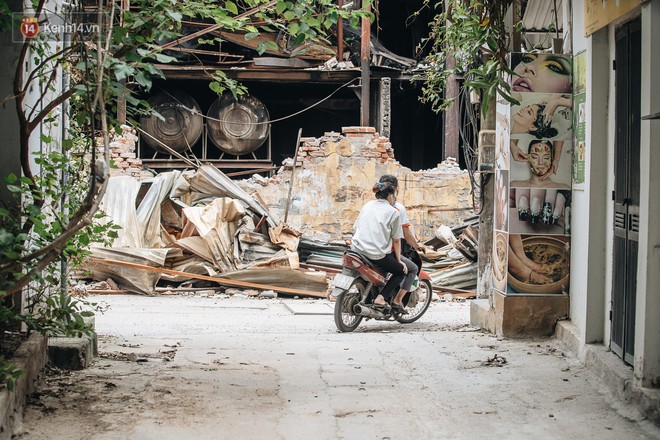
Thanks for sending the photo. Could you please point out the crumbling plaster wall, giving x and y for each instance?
(334, 177)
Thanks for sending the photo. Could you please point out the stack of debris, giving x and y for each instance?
(452, 261)
(197, 225)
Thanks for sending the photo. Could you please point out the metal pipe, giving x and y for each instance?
(365, 39)
(368, 312)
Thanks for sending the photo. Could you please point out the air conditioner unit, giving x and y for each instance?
(486, 162)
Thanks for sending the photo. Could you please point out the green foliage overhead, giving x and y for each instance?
(472, 34)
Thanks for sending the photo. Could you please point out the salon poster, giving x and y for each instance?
(531, 242)
(579, 103)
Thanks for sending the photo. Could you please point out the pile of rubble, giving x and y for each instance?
(197, 225)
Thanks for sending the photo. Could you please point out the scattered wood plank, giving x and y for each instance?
(459, 293)
(218, 280)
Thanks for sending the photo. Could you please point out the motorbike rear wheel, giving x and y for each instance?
(417, 302)
(345, 318)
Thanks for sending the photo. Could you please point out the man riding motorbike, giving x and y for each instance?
(409, 246)
(377, 237)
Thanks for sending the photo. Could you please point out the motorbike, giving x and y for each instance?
(360, 282)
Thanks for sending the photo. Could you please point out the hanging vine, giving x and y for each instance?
(473, 34)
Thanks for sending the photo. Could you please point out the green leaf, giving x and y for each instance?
(250, 35)
(122, 71)
(164, 58)
(231, 7)
(84, 239)
(176, 16)
(217, 87)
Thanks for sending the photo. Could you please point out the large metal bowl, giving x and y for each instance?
(181, 124)
(238, 126)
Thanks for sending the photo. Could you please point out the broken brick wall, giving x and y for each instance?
(123, 157)
(334, 177)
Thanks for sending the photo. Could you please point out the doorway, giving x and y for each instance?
(626, 188)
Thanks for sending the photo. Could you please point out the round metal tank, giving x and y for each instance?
(182, 124)
(238, 126)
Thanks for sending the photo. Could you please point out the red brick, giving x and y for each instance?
(347, 130)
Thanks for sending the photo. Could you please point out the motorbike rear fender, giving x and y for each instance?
(423, 275)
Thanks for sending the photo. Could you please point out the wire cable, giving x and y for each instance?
(195, 112)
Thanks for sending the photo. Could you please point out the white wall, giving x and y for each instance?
(589, 222)
(592, 208)
(647, 330)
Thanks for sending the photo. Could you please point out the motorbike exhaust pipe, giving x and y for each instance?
(367, 312)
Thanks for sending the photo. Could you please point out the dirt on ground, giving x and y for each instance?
(225, 368)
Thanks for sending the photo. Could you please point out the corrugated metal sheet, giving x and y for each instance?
(539, 15)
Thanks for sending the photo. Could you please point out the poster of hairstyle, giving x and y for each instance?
(542, 116)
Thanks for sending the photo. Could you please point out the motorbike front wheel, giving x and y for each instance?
(345, 318)
(417, 302)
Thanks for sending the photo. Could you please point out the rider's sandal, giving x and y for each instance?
(398, 308)
(382, 307)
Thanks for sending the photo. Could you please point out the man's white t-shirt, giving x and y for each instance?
(402, 214)
(376, 226)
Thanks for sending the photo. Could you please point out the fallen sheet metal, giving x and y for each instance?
(217, 223)
(128, 278)
(210, 180)
(282, 277)
(119, 205)
(149, 211)
(285, 236)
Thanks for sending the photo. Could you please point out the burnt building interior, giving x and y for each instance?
(315, 88)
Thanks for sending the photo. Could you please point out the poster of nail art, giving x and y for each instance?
(539, 211)
(541, 163)
(538, 264)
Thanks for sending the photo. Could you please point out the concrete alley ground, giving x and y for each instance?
(191, 367)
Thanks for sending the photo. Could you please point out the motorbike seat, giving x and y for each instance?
(364, 259)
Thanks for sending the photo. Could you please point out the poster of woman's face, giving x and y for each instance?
(539, 163)
(538, 211)
(538, 264)
(541, 73)
(542, 116)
